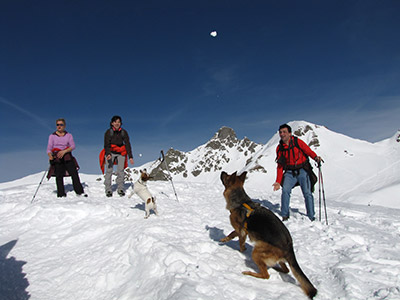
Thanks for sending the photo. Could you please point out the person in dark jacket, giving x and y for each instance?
(292, 158)
(117, 150)
(59, 149)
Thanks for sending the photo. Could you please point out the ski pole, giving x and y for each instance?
(169, 174)
(323, 197)
(323, 194)
(40, 183)
(319, 189)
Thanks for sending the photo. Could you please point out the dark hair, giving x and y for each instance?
(115, 118)
(286, 126)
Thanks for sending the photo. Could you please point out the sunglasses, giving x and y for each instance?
(60, 124)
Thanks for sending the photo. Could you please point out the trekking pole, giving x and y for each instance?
(321, 180)
(40, 183)
(169, 174)
(319, 189)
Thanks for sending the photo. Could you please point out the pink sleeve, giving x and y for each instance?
(50, 144)
(71, 141)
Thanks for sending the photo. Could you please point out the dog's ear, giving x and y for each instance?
(223, 176)
(231, 179)
(242, 176)
(141, 171)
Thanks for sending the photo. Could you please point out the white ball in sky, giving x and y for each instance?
(213, 33)
(140, 155)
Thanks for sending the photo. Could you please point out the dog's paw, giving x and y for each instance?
(247, 273)
(257, 275)
(242, 249)
(225, 239)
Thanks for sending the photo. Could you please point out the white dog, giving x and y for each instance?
(140, 189)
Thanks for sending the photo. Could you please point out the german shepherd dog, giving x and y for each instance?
(273, 243)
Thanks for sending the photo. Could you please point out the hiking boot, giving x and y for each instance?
(285, 218)
(109, 194)
(121, 193)
(61, 195)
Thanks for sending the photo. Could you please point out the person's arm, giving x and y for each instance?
(107, 144)
(307, 150)
(128, 146)
(50, 147)
(279, 174)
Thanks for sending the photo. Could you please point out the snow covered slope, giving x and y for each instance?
(353, 169)
(103, 248)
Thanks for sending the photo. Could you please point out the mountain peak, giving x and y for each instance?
(224, 137)
(221, 151)
(304, 128)
(226, 133)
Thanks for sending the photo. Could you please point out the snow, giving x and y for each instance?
(103, 248)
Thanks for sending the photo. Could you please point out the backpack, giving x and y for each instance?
(282, 158)
(122, 132)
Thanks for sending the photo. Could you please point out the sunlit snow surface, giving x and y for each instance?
(103, 248)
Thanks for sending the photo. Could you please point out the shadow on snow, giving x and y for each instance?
(13, 283)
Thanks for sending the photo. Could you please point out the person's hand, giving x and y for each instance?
(108, 157)
(276, 186)
(60, 154)
(131, 161)
(319, 160)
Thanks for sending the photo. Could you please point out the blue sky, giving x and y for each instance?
(334, 63)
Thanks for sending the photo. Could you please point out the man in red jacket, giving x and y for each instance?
(292, 158)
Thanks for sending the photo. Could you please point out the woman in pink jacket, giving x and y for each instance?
(59, 148)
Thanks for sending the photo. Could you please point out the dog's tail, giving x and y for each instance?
(305, 284)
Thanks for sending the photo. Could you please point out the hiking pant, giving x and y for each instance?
(67, 165)
(120, 172)
(290, 179)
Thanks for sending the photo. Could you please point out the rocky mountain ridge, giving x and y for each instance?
(220, 151)
(224, 151)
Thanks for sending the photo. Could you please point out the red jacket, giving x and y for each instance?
(114, 148)
(294, 156)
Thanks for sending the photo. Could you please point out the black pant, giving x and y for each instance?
(60, 168)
